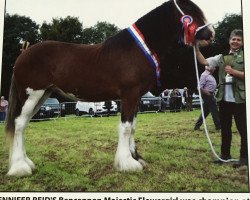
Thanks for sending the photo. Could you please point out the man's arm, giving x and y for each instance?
(199, 56)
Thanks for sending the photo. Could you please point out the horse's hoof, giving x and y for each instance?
(128, 165)
(20, 168)
(143, 163)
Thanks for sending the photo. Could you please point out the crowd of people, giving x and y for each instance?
(176, 100)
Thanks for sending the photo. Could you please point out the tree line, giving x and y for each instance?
(18, 29)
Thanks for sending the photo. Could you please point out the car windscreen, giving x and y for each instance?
(51, 101)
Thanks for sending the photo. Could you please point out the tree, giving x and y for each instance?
(68, 29)
(16, 30)
(223, 30)
(99, 32)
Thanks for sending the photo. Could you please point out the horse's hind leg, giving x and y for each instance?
(124, 160)
(40, 102)
(20, 164)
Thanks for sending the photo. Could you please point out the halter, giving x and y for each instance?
(189, 27)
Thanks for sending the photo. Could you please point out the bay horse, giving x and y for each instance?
(123, 67)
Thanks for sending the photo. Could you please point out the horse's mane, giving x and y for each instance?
(161, 14)
(163, 23)
(121, 40)
(159, 26)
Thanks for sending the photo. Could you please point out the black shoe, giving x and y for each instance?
(241, 162)
(197, 128)
(223, 158)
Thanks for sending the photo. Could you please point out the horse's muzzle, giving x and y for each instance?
(206, 35)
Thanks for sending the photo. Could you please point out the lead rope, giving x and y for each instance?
(178, 8)
(202, 112)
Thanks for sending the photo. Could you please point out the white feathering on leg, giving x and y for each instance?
(123, 159)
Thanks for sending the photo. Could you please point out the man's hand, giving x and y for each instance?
(206, 92)
(229, 70)
(234, 72)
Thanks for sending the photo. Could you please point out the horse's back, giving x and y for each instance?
(84, 70)
(51, 59)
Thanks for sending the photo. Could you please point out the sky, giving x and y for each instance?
(119, 12)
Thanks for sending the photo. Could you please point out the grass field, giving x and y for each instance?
(77, 154)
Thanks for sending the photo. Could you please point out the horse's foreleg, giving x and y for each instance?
(124, 160)
(20, 164)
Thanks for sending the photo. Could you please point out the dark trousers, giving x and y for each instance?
(189, 105)
(209, 105)
(227, 112)
(175, 104)
(2, 116)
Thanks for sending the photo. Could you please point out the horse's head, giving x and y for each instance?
(193, 23)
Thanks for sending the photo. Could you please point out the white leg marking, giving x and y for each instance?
(132, 139)
(123, 159)
(20, 164)
(132, 145)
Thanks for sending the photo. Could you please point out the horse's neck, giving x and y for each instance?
(159, 29)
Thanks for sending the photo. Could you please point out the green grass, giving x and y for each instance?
(77, 155)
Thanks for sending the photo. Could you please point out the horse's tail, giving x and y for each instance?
(14, 109)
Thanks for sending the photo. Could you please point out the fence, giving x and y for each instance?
(73, 109)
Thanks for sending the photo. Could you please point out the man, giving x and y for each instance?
(3, 108)
(164, 99)
(208, 86)
(175, 101)
(108, 106)
(188, 97)
(231, 95)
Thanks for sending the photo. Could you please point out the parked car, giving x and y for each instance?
(196, 100)
(94, 108)
(51, 108)
(43, 113)
(149, 102)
